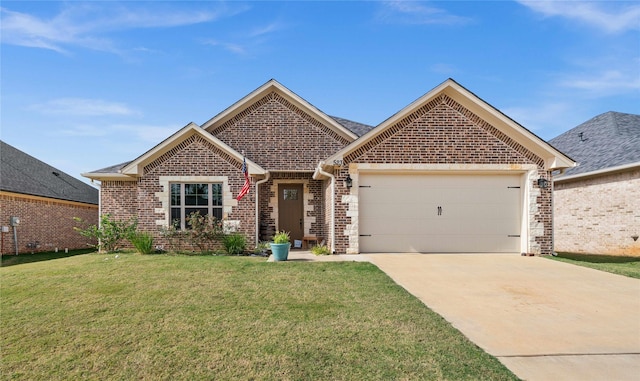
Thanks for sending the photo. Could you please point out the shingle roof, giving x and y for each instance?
(112, 169)
(355, 127)
(22, 173)
(608, 140)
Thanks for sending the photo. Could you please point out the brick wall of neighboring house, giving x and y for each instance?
(444, 132)
(277, 135)
(45, 223)
(598, 215)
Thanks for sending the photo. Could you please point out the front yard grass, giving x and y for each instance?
(12, 260)
(627, 266)
(96, 316)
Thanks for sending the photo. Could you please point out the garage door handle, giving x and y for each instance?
(439, 210)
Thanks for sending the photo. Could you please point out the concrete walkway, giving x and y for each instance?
(543, 319)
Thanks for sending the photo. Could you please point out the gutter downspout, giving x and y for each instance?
(332, 229)
(553, 220)
(257, 205)
(99, 185)
(15, 237)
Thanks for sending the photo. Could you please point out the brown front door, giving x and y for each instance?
(290, 210)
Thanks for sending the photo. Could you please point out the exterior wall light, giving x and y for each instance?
(348, 182)
(543, 183)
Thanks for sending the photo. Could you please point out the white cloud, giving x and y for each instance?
(416, 13)
(85, 24)
(543, 118)
(605, 82)
(122, 133)
(610, 16)
(232, 47)
(83, 107)
(145, 132)
(267, 29)
(251, 41)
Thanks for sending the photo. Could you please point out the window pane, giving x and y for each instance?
(290, 194)
(216, 194)
(176, 218)
(196, 194)
(202, 211)
(217, 213)
(175, 194)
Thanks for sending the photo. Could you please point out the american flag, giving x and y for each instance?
(247, 180)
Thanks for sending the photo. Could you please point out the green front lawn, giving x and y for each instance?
(627, 266)
(12, 260)
(167, 317)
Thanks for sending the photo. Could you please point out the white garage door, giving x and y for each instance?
(439, 213)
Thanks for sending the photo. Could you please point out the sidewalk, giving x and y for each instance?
(307, 256)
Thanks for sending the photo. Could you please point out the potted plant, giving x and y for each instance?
(280, 246)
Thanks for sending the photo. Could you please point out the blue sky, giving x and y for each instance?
(85, 85)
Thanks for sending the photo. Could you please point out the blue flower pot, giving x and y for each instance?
(280, 251)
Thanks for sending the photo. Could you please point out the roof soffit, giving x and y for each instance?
(274, 86)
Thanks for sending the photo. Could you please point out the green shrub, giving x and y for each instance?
(202, 235)
(143, 242)
(281, 237)
(262, 248)
(321, 250)
(234, 243)
(109, 233)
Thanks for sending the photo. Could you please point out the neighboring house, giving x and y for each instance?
(597, 203)
(45, 200)
(448, 173)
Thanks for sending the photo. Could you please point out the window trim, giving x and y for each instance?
(164, 196)
(183, 198)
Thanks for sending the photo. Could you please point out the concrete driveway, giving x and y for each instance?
(543, 319)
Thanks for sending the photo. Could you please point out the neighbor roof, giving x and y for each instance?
(608, 140)
(22, 173)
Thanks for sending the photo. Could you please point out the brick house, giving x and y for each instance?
(45, 200)
(597, 203)
(448, 173)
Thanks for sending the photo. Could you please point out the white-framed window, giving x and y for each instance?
(186, 198)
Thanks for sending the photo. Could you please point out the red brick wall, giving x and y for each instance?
(443, 132)
(196, 157)
(118, 198)
(45, 223)
(277, 135)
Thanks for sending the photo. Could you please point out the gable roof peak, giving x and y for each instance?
(553, 158)
(267, 88)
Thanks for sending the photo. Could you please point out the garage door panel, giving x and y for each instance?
(390, 210)
(478, 213)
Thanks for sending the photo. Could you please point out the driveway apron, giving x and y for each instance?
(543, 319)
